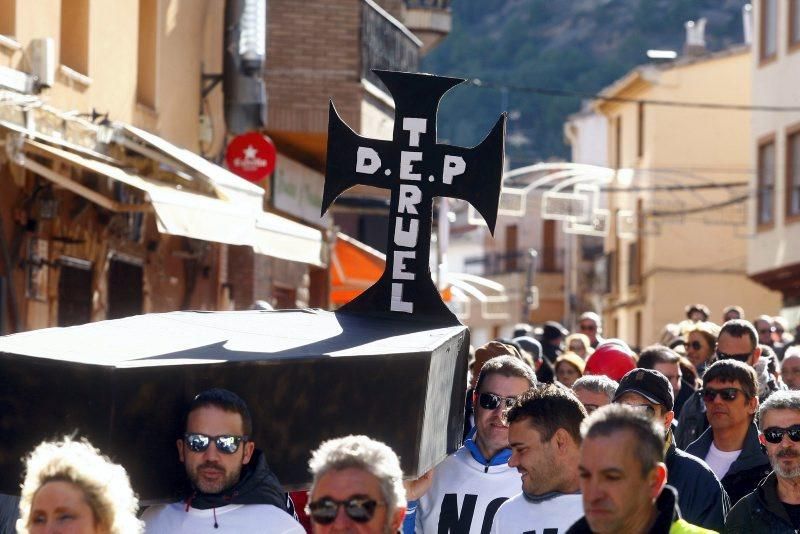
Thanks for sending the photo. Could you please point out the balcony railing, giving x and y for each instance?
(386, 44)
(437, 4)
(548, 260)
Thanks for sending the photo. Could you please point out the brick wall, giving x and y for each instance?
(313, 55)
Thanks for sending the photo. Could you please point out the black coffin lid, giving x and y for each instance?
(307, 375)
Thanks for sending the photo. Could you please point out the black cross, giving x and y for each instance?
(415, 168)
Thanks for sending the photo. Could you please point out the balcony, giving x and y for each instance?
(430, 20)
(385, 44)
(549, 260)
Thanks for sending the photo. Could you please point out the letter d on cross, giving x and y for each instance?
(367, 160)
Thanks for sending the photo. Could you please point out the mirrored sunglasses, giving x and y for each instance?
(774, 434)
(490, 401)
(226, 444)
(359, 509)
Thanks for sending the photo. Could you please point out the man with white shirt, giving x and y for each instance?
(544, 435)
(730, 445)
(231, 488)
(468, 487)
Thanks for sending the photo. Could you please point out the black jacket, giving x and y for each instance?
(692, 420)
(667, 513)
(746, 471)
(701, 498)
(257, 485)
(760, 511)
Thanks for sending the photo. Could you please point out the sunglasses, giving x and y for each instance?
(727, 394)
(694, 345)
(359, 509)
(646, 409)
(741, 357)
(587, 327)
(775, 434)
(490, 401)
(226, 444)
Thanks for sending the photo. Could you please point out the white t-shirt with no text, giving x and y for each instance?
(552, 513)
(231, 519)
(720, 461)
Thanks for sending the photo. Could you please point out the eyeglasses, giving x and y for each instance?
(727, 394)
(490, 401)
(741, 357)
(359, 509)
(588, 327)
(644, 408)
(774, 434)
(695, 345)
(225, 443)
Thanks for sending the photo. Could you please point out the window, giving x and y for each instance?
(75, 35)
(146, 67)
(640, 131)
(769, 29)
(793, 174)
(8, 15)
(794, 24)
(765, 193)
(618, 142)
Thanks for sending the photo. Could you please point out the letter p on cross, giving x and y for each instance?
(453, 166)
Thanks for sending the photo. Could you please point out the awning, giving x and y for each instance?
(184, 213)
(231, 186)
(354, 267)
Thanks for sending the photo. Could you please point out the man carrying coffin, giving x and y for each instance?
(469, 486)
(232, 489)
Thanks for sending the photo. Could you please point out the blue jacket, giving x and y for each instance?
(745, 473)
(701, 498)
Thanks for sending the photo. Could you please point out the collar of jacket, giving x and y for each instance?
(257, 485)
(666, 513)
(500, 457)
(767, 494)
(751, 455)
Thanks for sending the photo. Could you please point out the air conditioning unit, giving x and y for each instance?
(43, 60)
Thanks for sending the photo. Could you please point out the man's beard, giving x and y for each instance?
(781, 471)
(226, 482)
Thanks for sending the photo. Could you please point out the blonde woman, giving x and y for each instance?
(70, 486)
(579, 344)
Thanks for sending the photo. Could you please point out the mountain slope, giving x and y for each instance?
(576, 45)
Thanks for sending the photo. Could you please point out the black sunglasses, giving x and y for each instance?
(359, 509)
(226, 443)
(490, 401)
(774, 434)
(696, 345)
(742, 357)
(727, 394)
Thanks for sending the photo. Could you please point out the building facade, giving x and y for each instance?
(774, 210)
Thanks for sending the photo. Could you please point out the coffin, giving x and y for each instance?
(307, 375)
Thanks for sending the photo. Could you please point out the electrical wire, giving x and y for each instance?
(596, 96)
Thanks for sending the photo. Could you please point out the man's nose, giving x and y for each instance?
(513, 461)
(342, 520)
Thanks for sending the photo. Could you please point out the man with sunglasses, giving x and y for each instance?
(730, 445)
(701, 499)
(357, 487)
(469, 486)
(774, 506)
(231, 489)
(589, 323)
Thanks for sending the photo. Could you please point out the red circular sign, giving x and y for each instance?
(251, 156)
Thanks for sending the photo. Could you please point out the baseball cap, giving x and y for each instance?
(650, 384)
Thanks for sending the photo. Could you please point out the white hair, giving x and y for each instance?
(104, 484)
(362, 452)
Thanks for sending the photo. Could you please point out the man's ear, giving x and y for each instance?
(668, 418)
(753, 405)
(562, 439)
(249, 448)
(180, 445)
(657, 480)
(762, 440)
(397, 519)
(756, 356)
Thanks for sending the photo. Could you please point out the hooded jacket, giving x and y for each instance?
(668, 518)
(749, 468)
(760, 511)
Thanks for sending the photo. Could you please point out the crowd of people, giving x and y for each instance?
(563, 433)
